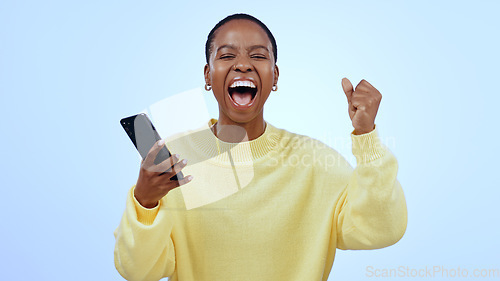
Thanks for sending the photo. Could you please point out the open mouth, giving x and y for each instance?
(242, 92)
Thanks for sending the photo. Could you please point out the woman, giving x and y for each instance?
(266, 204)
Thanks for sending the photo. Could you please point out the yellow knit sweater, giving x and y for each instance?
(273, 208)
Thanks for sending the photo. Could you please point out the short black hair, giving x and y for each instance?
(211, 35)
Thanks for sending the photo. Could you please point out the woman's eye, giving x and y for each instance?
(226, 56)
(259, 57)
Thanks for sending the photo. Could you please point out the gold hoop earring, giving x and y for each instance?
(208, 87)
(275, 88)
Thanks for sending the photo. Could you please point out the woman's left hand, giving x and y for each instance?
(363, 105)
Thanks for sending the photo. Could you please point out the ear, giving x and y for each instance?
(206, 70)
(276, 74)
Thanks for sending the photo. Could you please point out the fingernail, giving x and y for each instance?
(161, 142)
(176, 156)
(184, 161)
(189, 177)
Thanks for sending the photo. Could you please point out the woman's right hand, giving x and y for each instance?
(154, 180)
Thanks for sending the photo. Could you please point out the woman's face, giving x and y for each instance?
(241, 71)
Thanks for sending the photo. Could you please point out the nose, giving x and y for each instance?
(243, 65)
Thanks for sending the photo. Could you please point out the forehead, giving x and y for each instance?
(241, 33)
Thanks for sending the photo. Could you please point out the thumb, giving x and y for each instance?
(348, 88)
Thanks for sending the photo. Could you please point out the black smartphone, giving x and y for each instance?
(143, 134)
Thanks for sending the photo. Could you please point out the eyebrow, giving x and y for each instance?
(258, 47)
(251, 48)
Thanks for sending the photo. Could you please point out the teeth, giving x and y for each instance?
(244, 83)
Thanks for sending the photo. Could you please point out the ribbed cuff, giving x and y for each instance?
(367, 147)
(145, 215)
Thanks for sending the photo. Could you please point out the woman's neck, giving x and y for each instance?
(229, 131)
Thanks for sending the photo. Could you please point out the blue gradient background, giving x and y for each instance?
(69, 70)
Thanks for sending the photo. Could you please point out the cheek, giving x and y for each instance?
(218, 76)
(219, 73)
(267, 76)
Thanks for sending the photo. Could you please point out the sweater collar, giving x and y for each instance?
(241, 153)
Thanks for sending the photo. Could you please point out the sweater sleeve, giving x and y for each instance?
(144, 249)
(372, 210)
